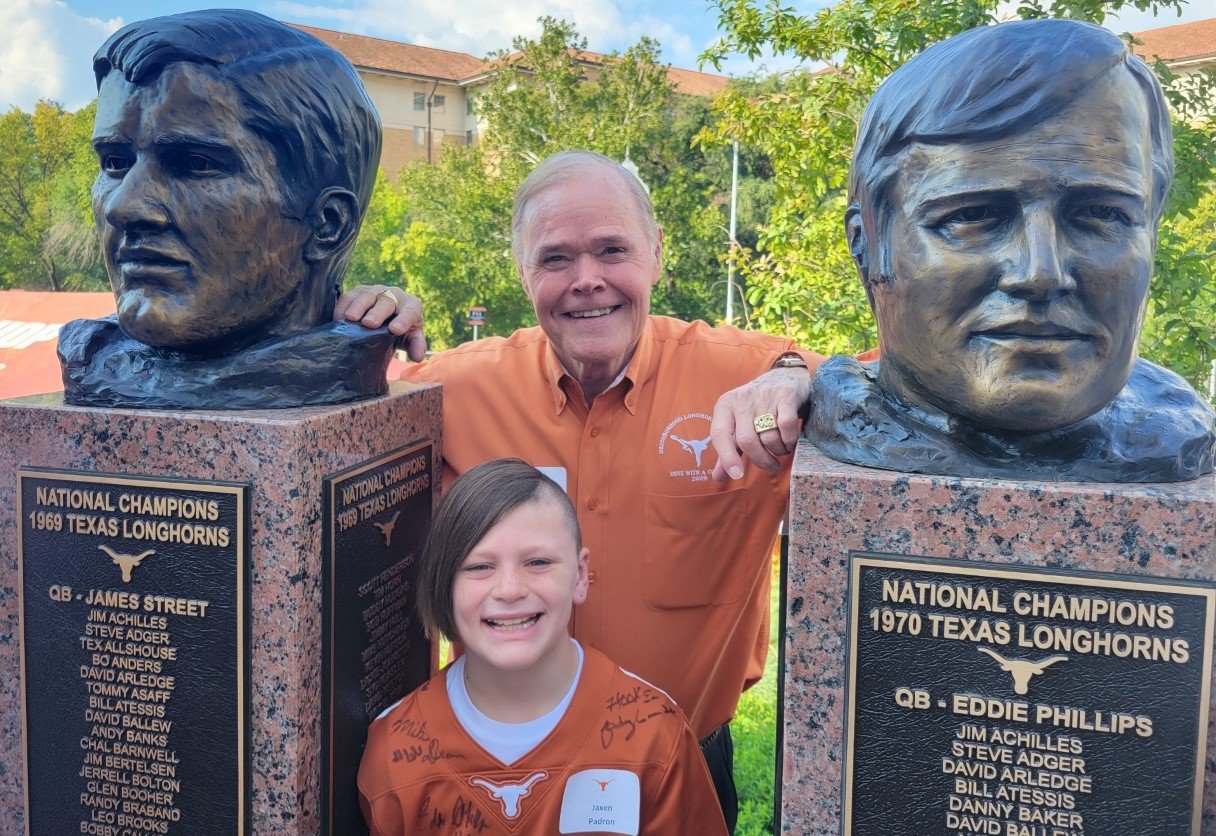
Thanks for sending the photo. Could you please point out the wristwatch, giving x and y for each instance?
(790, 360)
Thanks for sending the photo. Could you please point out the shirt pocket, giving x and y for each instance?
(691, 544)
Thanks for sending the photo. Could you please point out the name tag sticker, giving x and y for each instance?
(601, 801)
(557, 474)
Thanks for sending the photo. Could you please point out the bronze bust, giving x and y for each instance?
(237, 159)
(1004, 198)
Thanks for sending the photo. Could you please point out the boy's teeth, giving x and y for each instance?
(596, 312)
(514, 622)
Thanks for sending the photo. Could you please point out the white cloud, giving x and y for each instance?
(46, 52)
(473, 26)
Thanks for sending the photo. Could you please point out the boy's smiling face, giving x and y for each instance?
(513, 594)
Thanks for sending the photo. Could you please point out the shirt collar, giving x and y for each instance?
(635, 373)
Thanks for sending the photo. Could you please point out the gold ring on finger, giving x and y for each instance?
(767, 421)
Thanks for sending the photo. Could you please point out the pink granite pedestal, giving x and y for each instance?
(1164, 530)
(284, 456)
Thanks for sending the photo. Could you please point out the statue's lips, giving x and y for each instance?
(144, 265)
(1038, 332)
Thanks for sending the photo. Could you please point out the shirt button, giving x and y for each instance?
(595, 431)
(592, 504)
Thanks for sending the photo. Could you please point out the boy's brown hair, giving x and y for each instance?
(474, 504)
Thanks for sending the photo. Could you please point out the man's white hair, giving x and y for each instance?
(565, 166)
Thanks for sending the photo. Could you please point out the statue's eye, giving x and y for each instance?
(115, 164)
(977, 219)
(1101, 213)
(199, 164)
(976, 214)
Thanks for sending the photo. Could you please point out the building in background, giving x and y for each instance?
(426, 96)
(1186, 48)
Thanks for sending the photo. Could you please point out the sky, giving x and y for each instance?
(46, 46)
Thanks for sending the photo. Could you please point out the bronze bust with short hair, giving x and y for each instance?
(1005, 193)
(237, 159)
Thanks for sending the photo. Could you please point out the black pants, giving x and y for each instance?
(719, 752)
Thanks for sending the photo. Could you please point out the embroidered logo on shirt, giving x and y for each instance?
(509, 795)
(691, 433)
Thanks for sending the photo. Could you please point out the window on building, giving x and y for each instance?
(438, 102)
(420, 137)
(468, 106)
(420, 101)
(468, 137)
(437, 136)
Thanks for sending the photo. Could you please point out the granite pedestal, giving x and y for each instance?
(1107, 535)
(272, 471)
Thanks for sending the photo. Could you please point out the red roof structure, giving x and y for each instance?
(1181, 42)
(29, 327)
(461, 68)
(396, 57)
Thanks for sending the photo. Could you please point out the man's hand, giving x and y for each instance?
(781, 393)
(373, 305)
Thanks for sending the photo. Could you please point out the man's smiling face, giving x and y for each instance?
(1020, 266)
(199, 239)
(588, 266)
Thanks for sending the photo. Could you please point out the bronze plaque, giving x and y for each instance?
(133, 623)
(376, 519)
(1010, 701)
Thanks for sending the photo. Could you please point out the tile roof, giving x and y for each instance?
(394, 56)
(1179, 42)
(688, 82)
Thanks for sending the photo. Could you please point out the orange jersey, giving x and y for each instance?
(679, 563)
(621, 760)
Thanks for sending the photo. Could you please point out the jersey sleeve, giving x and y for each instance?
(685, 801)
(381, 808)
(383, 817)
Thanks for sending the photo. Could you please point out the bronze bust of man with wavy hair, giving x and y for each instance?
(1006, 189)
(237, 159)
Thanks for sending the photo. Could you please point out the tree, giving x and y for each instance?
(542, 99)
(48, 238)
(801, 280)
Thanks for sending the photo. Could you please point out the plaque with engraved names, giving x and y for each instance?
(996, 699)
(134, 595)
(377, 515)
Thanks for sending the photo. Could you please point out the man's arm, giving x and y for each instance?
(374, 305)
(783, 393)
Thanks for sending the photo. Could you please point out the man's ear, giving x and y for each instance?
(859, 243)
(658, 256)
(334, 221)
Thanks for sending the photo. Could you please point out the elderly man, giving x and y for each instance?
(237, 158)
(619, 407)
(1006, 190)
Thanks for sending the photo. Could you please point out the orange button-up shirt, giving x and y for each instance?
(680, 570)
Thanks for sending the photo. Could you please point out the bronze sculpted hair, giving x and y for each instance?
(984, 84)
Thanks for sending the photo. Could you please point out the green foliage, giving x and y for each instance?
(754, 732)
(1180, 326)
(801, 281)
(47, 235)
(455, 250)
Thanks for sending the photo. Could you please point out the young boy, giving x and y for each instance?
(527, 732)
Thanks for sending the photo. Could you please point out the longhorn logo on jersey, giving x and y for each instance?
(509, 795)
